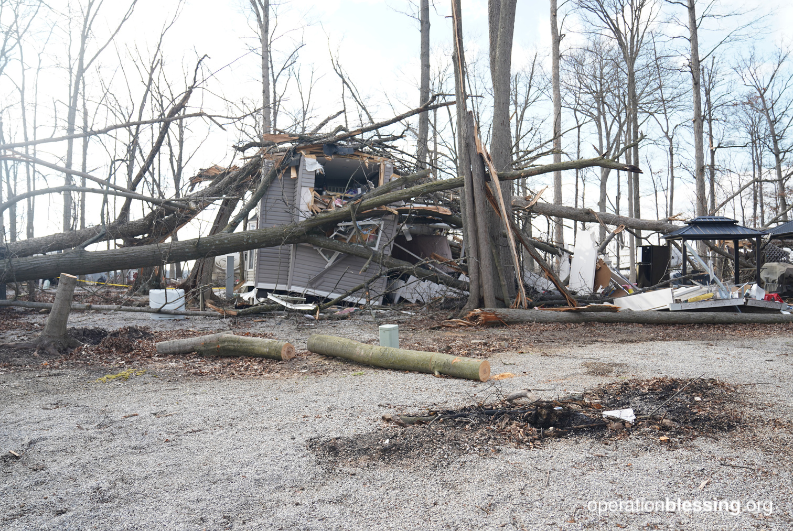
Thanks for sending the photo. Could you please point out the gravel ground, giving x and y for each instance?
(170, 450)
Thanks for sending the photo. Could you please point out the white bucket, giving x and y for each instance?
(160, 297)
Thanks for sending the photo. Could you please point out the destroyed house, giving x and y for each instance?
(320, 178)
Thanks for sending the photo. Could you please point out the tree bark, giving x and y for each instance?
(188, 345)
(487, 261)
(228, 345)
(107, 308)
(261, 9)
(158, 224)
(55, 338)
(699, 147)
(511, 316)
(400, 359)
(424, 89)
(557, 119)
(589, 216)
(467, 204)
(501, 17)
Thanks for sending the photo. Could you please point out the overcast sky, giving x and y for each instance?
(377, 44)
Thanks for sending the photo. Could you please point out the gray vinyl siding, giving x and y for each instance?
(343, 275)
(276, 208)
(292, 267)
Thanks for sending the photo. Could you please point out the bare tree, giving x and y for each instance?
(593, 80)
(557, 118)
(501, 23)
(628, 23)
(424, 91)
(78, 66)
(669, 94)
(772, 83)
(261, 9)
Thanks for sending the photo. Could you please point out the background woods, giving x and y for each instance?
(120, 127)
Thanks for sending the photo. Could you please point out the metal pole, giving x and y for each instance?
(2, 284)
(737, 262)
(229, 277)
(683, 271)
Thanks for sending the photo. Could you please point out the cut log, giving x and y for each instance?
(188, 345)
(228, 345)
(107, 308)
(400, 359)
(510, 316)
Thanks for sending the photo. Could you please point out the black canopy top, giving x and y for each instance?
(714, 228)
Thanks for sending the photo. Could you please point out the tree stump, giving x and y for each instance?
(55, 338)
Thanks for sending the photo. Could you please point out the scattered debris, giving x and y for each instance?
(621, 414)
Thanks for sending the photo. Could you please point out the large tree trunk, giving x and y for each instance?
(187, 345)
(696, 76)
(467, 206)
(588, 216)
(399, 359)
(501, 22)
(487, 261)
(510, 316)
(261, 9)
(107, 308)
(158, 224)
(424, 89)
(557, 120)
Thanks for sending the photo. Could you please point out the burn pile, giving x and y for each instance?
(669, 411)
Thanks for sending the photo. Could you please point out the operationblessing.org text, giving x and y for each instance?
(678, 505)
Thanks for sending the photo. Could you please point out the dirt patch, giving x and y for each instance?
(427, 446)
(600, 368)
(670, 410)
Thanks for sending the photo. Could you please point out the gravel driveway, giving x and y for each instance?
(166, 449)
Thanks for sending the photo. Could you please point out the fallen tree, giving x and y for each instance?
(107, 308)
(80, 262)
(400, 359)
(158, 224)
(588, 215)
(510, 316)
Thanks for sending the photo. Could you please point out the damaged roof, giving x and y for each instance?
(785, 229)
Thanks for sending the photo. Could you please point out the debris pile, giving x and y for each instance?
(668, 410)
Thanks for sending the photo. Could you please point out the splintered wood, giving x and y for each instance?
(484, 318)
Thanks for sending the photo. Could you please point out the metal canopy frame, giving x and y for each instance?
(719, 228)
